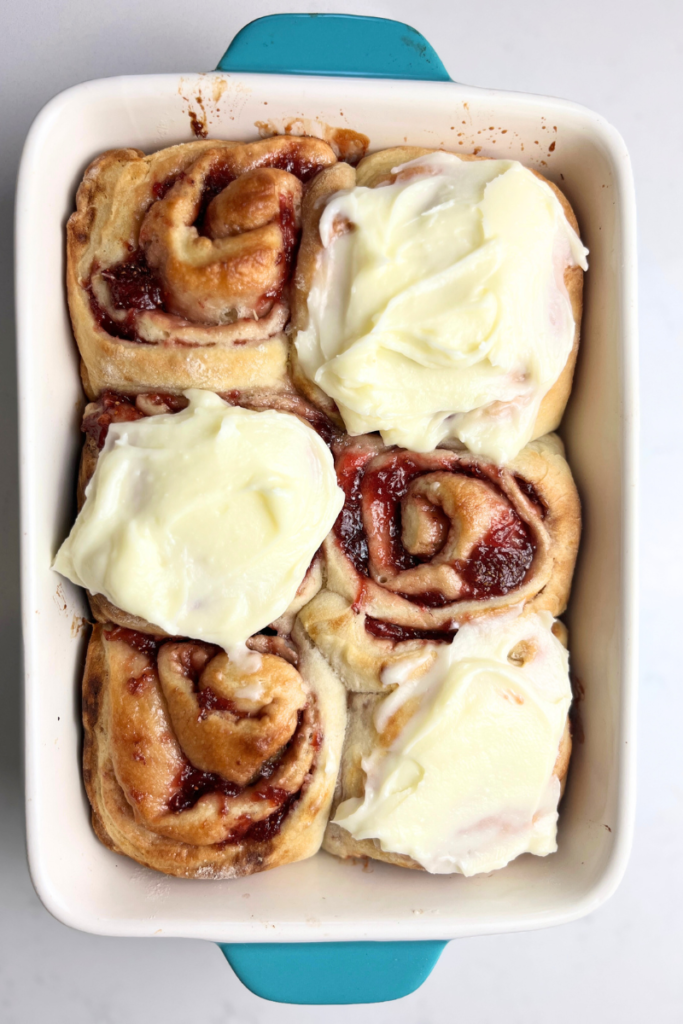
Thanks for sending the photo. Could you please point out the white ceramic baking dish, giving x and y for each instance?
(85, 885)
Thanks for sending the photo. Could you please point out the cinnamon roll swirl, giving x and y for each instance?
(178, 263)
(426, 542)
(201, 767)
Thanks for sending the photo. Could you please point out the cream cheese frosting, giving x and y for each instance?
(204, 522)
(438, 307)
(468, 784)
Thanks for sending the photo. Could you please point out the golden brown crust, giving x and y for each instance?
(169, 352)
(375, 170)
(129, 769)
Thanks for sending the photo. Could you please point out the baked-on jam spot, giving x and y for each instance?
(112, 407)
(136, 684)
(209, 700)
(125, 329)
(193, 784)
(132, 284)
(392, 631)
(145, 643)
(296, 164)
(109, 408)
(160, 188)
(198, 124)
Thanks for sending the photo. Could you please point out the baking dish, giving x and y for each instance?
(326, 901)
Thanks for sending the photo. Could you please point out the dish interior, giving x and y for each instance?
(86, 885)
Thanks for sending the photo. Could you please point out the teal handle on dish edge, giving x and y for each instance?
(348, 46)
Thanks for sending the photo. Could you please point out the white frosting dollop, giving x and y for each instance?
(468, 784)
(204, 522)
(443, 312)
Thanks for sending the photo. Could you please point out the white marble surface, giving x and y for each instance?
(622, 963)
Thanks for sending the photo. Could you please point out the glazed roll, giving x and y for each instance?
(207, 504)
(426, 542)
(178, 263)
(438, 297)
(459, 765)
(202, 767)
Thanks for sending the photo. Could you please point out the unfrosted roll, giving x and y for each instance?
(203, 768)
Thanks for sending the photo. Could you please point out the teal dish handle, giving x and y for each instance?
(337, 45)
(348, 46)
(332, 973)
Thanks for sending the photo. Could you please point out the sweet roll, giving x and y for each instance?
(203, 767)
(458, 766)
(438, 297)
(178, 263)
(428, 541)
(192, 521)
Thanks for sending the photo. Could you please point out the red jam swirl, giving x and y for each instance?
(145, 643)
(532, 494)
(132, 284)
(124, 329)
(263, 831)
(392, 631)
(497, 565)
(191, 783)
(349, 528)
(382, 491)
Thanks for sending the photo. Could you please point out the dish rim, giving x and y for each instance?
(613, 871)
